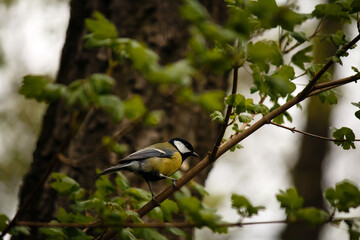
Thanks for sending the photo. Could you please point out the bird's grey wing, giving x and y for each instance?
(147, 153)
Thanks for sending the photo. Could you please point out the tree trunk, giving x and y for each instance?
(307, 173)
(158, 24)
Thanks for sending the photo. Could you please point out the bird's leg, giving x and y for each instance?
(172, 179)
(152, 194)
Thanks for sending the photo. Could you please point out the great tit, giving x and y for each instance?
(156, 162)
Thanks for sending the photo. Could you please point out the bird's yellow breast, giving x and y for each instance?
(166, 166)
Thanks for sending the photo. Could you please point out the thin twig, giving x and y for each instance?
(317, 30)
(322, 87)
(165, 224)
(227, 116)
(293, 129)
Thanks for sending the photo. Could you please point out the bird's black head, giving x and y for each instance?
(184, 147)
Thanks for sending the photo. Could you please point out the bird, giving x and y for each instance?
(156, 162)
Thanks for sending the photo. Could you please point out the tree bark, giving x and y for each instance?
(158, 24)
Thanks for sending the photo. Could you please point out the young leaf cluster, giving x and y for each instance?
(344, 196)
(110, 203)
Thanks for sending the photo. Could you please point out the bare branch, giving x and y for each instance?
(164, 224)
(322, 87)
(227, 116)
(293, 129)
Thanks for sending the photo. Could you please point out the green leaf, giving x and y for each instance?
(345, 138)
(175, 73)
(357, 113)
(332, 11)
(257, 108)
(63, 216)
(356, 104)
(3, 222)
(101, 83)
(200, 189)
(138, 193)
(149, 234)
(353, 229)
(169, 207)
(237, 146)
(53, 233)
(212, 100)
(134, 216)
(265, 51)
(113, 106)
(189, 204)
(217, 116)
(243, 206)
(77, 234)
(300, 57)
(176, 231)
(328, 96)
(41, 89)
(345, 196)
(143, 58)
(280, 82)
(112, 145)
(235, 100)
(134, 108)
(103, 187)
(156, 214)
(245, 118)
(300, 37)
(199, 213)
(64, 184)
(312, 216)
(271, 15)
(126, 234)
(355, 69)
(20, 230)
(315, 69)
(154, 118)
(290, 200)
(78, 195)
(194, 12)
(121, 181)
(100, 26)
(338, 39)
(242, 22)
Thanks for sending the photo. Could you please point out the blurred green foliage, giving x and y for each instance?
(213, 49)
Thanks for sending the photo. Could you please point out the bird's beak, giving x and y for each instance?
(194, 154)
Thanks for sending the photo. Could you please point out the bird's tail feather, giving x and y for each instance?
(114, 169)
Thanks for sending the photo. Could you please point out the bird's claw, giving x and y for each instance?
(174, 184)
(153, 198)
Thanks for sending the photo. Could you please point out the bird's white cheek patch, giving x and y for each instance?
(181, 147)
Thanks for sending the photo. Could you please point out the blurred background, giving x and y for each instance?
(32, 34)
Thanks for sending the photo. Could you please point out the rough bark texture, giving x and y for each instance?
(158, 24)
(307, 173)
